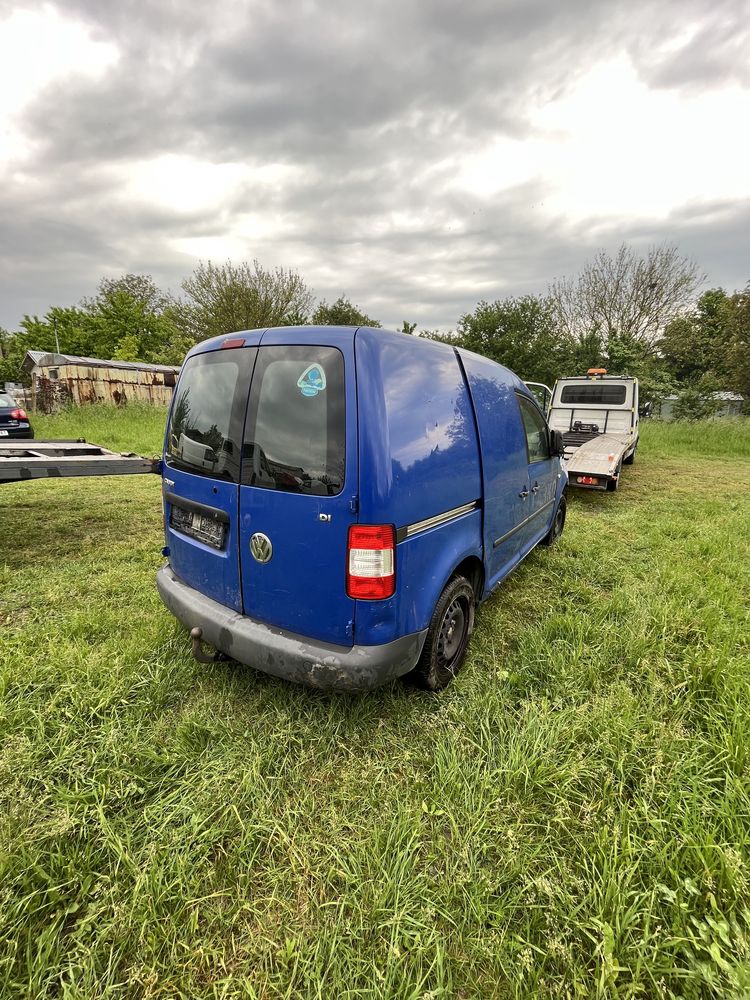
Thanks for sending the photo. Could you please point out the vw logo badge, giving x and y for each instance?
(261, 548)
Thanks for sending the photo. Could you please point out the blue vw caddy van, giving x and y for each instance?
(338, 500)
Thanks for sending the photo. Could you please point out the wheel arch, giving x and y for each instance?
(472, 569)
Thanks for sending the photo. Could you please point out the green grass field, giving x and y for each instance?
(570, 819)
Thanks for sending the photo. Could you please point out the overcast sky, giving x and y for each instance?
(415, 156)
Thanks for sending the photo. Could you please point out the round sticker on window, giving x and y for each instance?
(312, 381)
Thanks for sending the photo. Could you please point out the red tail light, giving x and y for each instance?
(371, 562)
(19, 414)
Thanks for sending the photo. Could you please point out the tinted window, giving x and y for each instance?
(535, 427)
(294, 440)
(209, 407)
(598, 393)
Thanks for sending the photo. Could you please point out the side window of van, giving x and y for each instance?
(296, 421)
(535, 426)
(205, 428)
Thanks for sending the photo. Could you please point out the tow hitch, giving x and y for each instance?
(196, 635)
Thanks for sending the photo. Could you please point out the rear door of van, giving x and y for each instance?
(298, 489)
(201, 477)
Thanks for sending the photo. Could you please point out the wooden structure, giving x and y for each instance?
(61, 379)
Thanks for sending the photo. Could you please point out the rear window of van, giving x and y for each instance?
(596, 393)
(296, 422)
(205, 427)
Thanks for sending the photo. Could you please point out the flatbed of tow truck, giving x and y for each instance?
(596, 463)
(31, 459)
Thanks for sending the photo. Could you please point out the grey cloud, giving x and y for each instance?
(377, 108)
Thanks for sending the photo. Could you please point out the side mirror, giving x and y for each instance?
(646, 410)
(556, 443)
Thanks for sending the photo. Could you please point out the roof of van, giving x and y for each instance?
(303, 333)
(311, 334)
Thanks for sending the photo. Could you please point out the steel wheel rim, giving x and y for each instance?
(452, 634)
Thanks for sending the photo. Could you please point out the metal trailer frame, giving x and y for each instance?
(22, 459)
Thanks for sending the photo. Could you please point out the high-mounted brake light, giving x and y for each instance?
(19, 414)
(370, 571)
(233, 342)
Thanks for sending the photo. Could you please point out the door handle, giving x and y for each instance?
(523, 494)
(535, 488)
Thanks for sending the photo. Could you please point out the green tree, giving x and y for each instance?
(628, 356)
(129, 318)
(695, 401)
(626, 295)
(224, 298)
(133, 319)
(71, 327)
(738, 351)
(342, 312)
(699, 341)
(520, 333)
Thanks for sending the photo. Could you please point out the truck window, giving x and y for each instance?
(295, 432)
(594, 394)
(535, 427)
(205, 427)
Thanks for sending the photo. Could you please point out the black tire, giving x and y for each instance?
(629, 459)
(447, 639)
(558, 524)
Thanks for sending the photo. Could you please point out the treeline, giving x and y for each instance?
(639, 314)
(131, 319)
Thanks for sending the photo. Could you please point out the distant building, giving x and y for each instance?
(60, 379)
(730, 405)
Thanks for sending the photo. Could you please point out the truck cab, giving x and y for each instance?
(597, 415)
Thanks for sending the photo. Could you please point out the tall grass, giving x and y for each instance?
(570, 819)
(136, 427)
(719, 438)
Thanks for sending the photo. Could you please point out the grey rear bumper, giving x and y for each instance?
(286, 654)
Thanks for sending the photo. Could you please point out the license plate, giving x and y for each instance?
(201, 526)
(3, 434)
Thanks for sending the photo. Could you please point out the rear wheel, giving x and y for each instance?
(629, 459)
(447, 637)
(558, 524)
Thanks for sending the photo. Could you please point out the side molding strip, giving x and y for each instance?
(522, 524)
(433, 522)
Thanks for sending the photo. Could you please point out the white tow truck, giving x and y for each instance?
(598, 416)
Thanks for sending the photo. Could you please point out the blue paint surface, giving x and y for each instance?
(428, 429)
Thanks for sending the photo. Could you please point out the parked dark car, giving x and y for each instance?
(14, 420)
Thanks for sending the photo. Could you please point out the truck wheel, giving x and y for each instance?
(558, 524)
(448, 636)
(629, 459)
